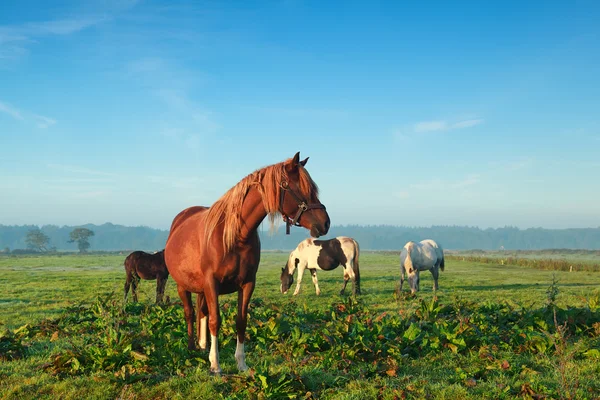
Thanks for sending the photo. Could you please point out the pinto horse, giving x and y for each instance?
(416, 257)
(324, 255)
(146, 266)
(216, 250)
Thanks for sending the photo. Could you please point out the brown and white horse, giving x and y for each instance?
(146, 266)
(216, 250)
(324, 255)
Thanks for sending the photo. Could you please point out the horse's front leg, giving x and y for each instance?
(244, 295)
(402, 276)
(188, 310)
(211, 294)
(313, 273)
(300, 275)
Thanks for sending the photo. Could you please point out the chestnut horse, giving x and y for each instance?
(146, 266)
(216, 250)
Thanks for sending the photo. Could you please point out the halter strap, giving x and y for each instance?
(302, 206)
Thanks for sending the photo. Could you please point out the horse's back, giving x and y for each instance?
(423, 255)
(145, 265)
(439, 252)
(349, 245)
(184, 216)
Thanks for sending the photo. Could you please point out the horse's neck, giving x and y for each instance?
(253, 213)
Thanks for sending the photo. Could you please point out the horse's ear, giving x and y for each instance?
(282, 269)
(303, 163)
(292, 164)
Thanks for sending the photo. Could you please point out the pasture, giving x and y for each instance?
(492, 331)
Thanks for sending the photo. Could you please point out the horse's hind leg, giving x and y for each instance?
(160, 289)
(201, 320)
(356, 281)
(346, 279)
(127, 285)
(135, 281)
(435, 271)
(188, 310)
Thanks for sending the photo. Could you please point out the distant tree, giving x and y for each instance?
(81, 236)
(6, 250)
(37, 240)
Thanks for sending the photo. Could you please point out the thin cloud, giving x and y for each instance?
(441, 185)
(468, 181)
(466, 124)
(15, 39)
(40, 121)
(430, 126)
(79, 170)
(13, 112)
(43, 122)
(442, 125)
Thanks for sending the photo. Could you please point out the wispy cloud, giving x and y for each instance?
(40, 121)
(470, 180)
(430, 126)
(16, 39)
(425, 127)
(434, 126)
(185, 120)
(13, 112)
(514, 165)
(401, 195)
(438, 185)
(79, 170)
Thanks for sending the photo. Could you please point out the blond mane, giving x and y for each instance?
(227, 210)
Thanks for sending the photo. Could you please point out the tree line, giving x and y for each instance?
(111, 237)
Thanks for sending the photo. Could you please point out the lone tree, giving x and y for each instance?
(81, 236)
(37, 240)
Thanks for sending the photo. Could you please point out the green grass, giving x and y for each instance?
(489, 333)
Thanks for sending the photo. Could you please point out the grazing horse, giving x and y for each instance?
(417, 257)
(324, 255)
(149, 267)
(216, 250)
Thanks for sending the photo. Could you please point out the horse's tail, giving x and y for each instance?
(356, 269)
(357, 272)
(442, 263)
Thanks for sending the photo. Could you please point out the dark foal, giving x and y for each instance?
(141, 265)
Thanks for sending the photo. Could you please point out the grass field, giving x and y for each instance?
(492, 331)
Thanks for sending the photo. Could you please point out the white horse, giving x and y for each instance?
(417, 257)
(324, 255)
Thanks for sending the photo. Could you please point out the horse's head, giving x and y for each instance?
(299, 200)
(286, 279)
(414, 281)
(411, 270)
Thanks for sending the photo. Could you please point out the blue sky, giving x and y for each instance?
(471, 113)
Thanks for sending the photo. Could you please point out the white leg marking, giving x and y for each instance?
(213, 357)
(316, 282)
(240, 357)
(300, 275)
(202, 338)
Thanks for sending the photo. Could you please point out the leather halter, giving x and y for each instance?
(302, 206)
